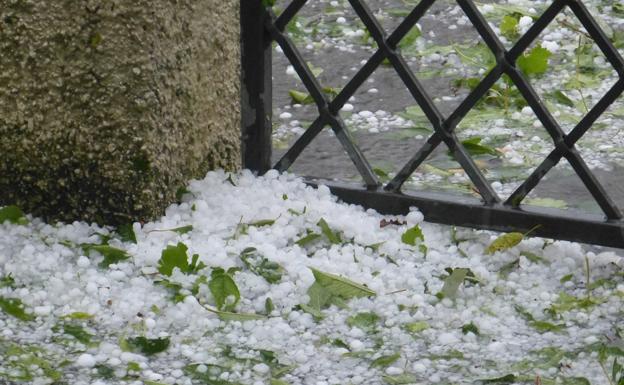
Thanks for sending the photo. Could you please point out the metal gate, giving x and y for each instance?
(261, 27)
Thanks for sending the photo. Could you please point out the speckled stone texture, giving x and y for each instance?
(107, 108)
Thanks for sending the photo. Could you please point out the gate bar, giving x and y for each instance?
(256, 87)
(571, 225)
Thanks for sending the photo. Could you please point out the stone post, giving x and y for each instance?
(108, 107)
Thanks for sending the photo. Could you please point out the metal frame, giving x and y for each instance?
(260, 27)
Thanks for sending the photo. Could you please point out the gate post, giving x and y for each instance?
(256, 87)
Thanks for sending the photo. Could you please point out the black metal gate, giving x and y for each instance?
(261, 27)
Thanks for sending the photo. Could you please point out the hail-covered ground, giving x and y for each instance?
(264, 280)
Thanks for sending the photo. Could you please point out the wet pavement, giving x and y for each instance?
(389, 150)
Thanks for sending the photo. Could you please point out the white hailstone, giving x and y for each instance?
(373, 91)
(394, 371)
(496, 347)
(285, 115)
(83, 261)
(414, 217)
(356, 345)
(552, 46)
(527, 110)
(347, 107)
(43, 310)
(86, 360)
(487, 8)
(525, 21)
(290, 70)
(419, 367)
(365, 114)
(447, 339)
(341, 20)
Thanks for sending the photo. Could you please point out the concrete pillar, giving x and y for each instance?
(108, 107)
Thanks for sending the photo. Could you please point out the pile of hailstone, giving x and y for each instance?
(264, 280)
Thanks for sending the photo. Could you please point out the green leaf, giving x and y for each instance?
(319, 296)
(268, 306)
(268, 3)
(412, 235)
(77, 332)
(263, 222)
(452, 283)
(194, 266)
(174, 288)
(524, 313)
(275, 381)
(509, 26)
(477, 55)
(561, 98)
(544, 326)
(575, 381)
(332, 236)
(384, 361)
(507, 379)
(7, 281)
(78, 316)
(410, 38)
(504, 242)
(104, 371)
(180, 230)
(12, 214)
(474, 147)
(509, 267)
(416, 327)
(470, 328)
(401, 379)
(316, 313)
(258, 264)
(241, 317)
(566, 278)
(223, 289)
(172, 257)
(340, 343)
(126, 233)
(309, 238)
(381, 173)
(366, 321)
(532, 257)
(148, 346)
(316, 71)
(540, 326)
(567, 302)
(15, 307)
(535, 62)
(111, 254)
(341, 287)
(300, 97)
(180, 192)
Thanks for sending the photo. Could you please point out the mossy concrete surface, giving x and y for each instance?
(108, 107)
